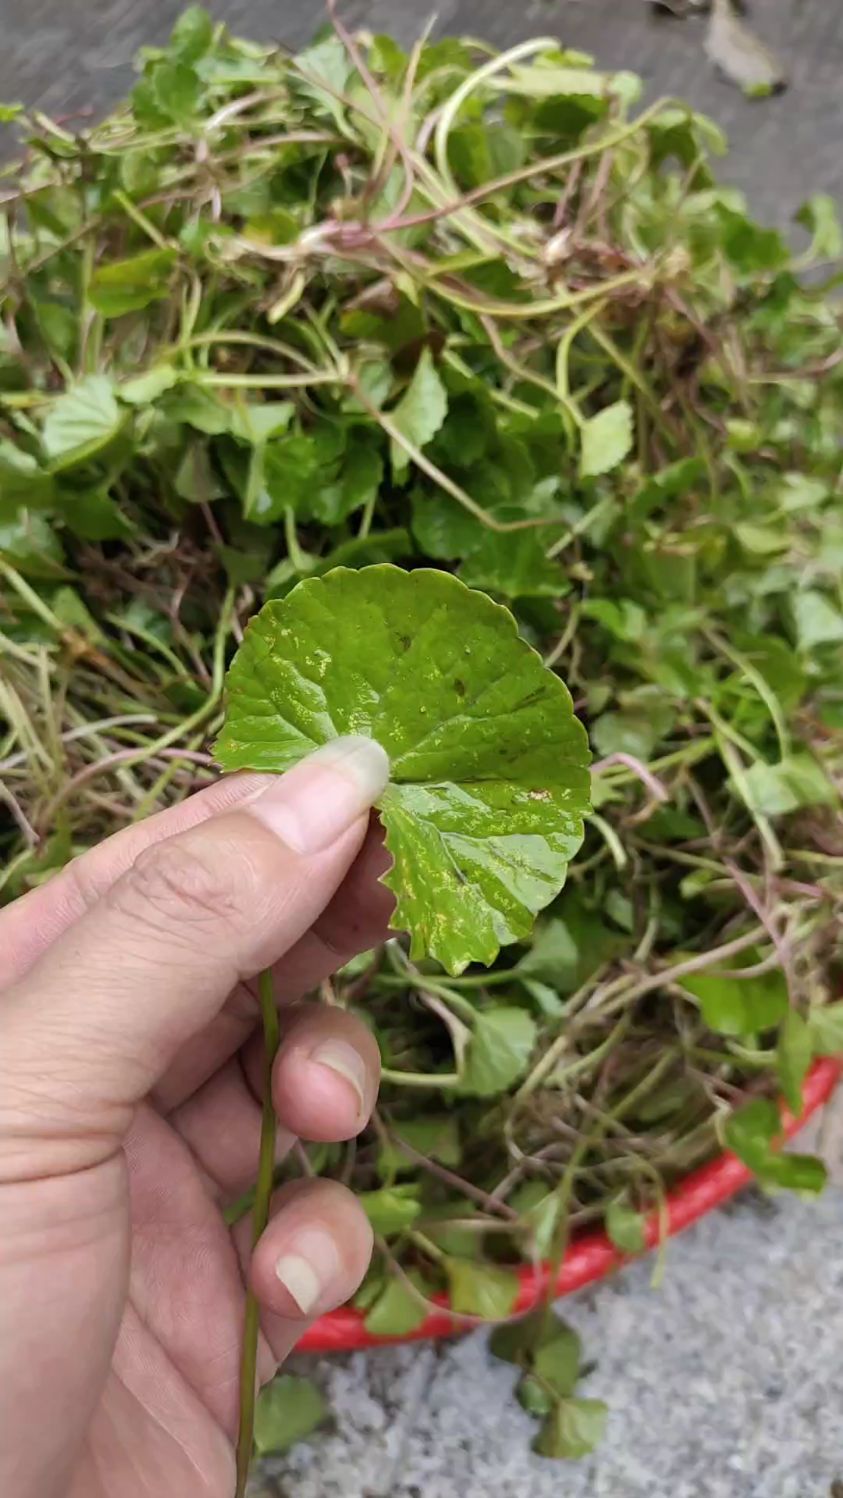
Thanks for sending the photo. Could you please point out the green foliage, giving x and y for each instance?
(498, 1051)
(794, 1053)
(130, 285)
(606, 439)
(630, 425)
(397, 1311)
(549, 1353)
(755, 1134)
(796, 781)
(625, 1226)
(825, 1026)
(733, 1005)
(392, 1209)
(572, 1429)
(288, 1410)
(419, 413)
(81, 422)
(481, 1289)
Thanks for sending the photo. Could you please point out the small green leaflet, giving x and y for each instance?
(437, 1136)
(572, 1429)
(481, 1289)
(798, 780)
(489, 783)
(825, 1023)
(397, 1310)
(325, 71)
(81, 422)
(498, 1051)
(606, 439)
(391, 1210)
(754, 1133)
(287, 1410)
(176, 90)
(540, 1210)
(144, 389)
(420, 411)
(625, 1226)
(22, 481)
(130, 285)
(543, 1342)
(794, 1057)
(818, 621)
(740, 1006)
(192, 34)
(549, 1352)
(820, 217)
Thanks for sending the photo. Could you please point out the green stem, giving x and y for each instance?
(419, 1078)
(366, 518)
(144, 224)
(294, 551)
(260, 1217)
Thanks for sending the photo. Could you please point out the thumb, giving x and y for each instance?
(100, 1016)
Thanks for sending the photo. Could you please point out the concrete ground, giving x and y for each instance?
(728, 1381)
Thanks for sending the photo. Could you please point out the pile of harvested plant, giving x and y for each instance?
(480, 312)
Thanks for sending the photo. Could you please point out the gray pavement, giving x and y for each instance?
(728, 1381)
(66, 54)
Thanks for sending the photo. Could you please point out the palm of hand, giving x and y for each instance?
(138, 1277)
(167, 1415)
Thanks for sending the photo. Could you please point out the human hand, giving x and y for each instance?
(130, 1116)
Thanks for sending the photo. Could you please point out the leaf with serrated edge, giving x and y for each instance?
(606, 439)
(489, 779)
(420, 411)
(288, 1409)
(81, 421)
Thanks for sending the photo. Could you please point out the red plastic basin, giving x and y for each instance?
(592, 1256)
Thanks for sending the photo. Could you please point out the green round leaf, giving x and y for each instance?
(489, 781)
(420, 412)
(288, 1409)
(572, 1429)
(481, 1289)
(606, 439)
(123, 286)
(81, 422)
(392, 1209)
(397, 1310)
(625, 1226)
(498, 1051)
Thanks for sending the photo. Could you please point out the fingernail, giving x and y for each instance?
(314, 803)
(343, 1059)
(308, 1271)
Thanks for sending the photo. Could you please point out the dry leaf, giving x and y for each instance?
(740, 55)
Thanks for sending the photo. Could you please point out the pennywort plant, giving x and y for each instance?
(462, 320)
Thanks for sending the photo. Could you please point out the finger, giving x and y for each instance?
(324, 1087)
(356, 919)
(30, 925)
(311, 1258)
(325, 1078)
(116, 997)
